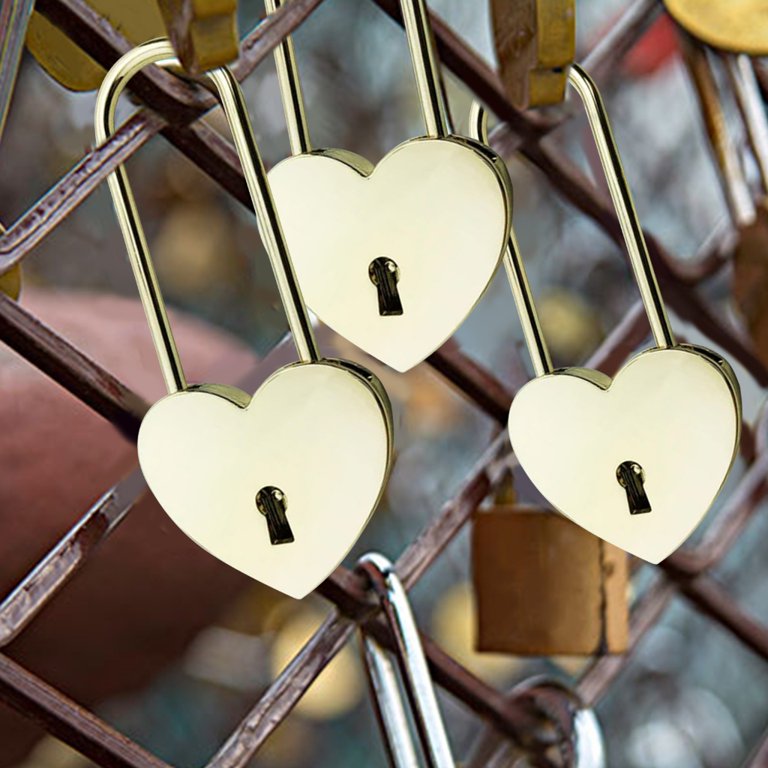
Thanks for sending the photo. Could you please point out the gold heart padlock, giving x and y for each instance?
(392, 256)
(637, 460)
(278, 485)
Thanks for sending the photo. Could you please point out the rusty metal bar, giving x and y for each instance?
(199, 142)
(54, 570)
(69, 722)
(67, 365)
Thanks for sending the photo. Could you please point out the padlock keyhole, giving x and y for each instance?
(272, 504)
(631, 477)
(385, 274)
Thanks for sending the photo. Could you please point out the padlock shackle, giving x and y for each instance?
(414, 673)
(632, 231)
(514, 266)
(426, 69)
(227, 89)
(624, 204)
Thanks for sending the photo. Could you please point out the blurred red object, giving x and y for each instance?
(146, 593)
(657, 48)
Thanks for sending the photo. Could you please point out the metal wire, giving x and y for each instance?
(172, 109)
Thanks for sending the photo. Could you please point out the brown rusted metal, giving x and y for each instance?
(69, 722)
(172, 106)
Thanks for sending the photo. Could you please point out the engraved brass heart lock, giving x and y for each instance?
(637, 460)
(278, 485)
(392, 256)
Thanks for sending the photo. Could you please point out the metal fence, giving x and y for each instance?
(172, 108)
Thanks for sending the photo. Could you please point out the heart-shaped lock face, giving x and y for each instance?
(316, 437)
(436, 211)
(663, 434)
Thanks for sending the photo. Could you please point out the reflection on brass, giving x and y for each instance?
(631, 478)
(733, 25)
(272, 504)
(674, 408)
(385, 275)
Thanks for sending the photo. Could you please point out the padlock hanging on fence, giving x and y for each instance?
(278, 485)
(393, 256)
(411, 664)
(638, 459)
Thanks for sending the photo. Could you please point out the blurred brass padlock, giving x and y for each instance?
(67, 63)
(535, 44)
(732, 25)
(203, 32)
(544, 586)
(10, 281)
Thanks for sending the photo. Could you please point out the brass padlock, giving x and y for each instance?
(392, 256)
(544, 586)
(638, 459)
(10, 281)
(70, 65)
(278, 485)
(535, 44)
(203, 32)
(414, 676)
(732, 25)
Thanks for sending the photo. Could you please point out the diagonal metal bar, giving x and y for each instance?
(199, 142)
(70, 367)
(51, 573)
(69, 722)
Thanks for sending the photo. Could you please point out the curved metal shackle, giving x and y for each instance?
(426, 69)
(414, 673)
(228, 91)
(631, 228)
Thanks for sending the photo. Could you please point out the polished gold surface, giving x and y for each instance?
(316, 436)
(438, 207)
(733, 25)
(535, 44)
(313, 430)
(673, 411)
(67, 63)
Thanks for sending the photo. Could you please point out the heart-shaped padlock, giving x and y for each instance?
(278, 485)
(637, 460)
(393, 257)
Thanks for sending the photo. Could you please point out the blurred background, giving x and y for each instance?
(172, 648)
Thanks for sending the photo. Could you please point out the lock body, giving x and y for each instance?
(319, 433)
(544, 586)
(673, 412)
(439, 209)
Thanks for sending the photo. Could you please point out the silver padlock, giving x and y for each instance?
(413, 671)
